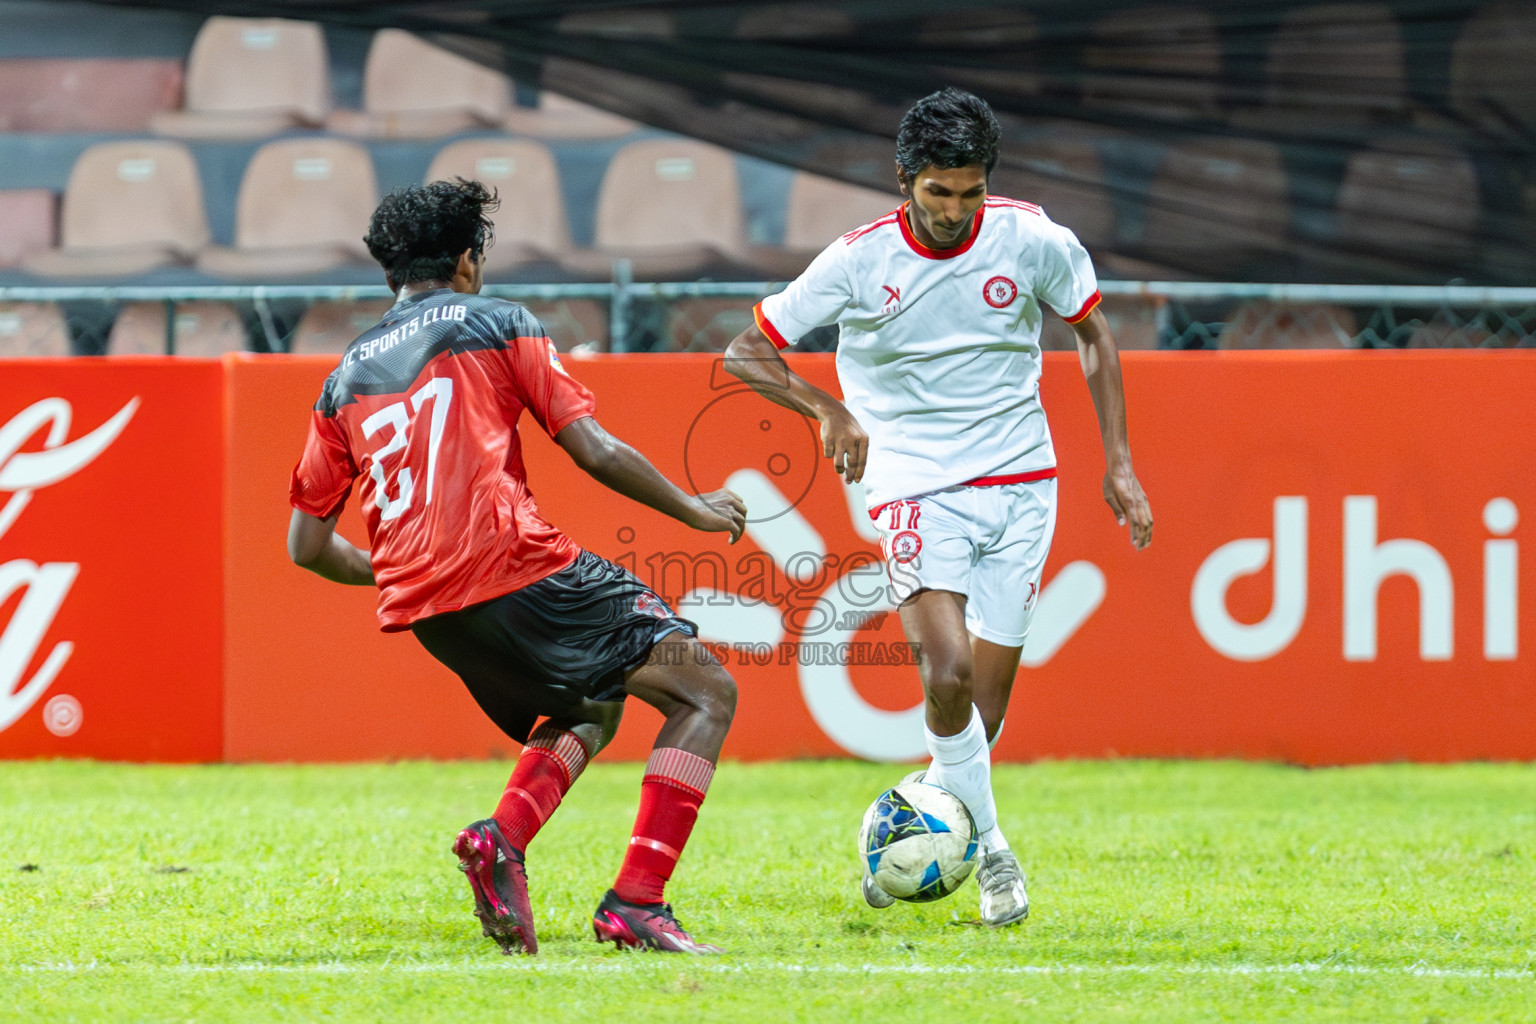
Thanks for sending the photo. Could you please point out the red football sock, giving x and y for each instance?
(551, 761)
(674, 785)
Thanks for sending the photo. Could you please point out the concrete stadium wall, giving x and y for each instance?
(1336, 575)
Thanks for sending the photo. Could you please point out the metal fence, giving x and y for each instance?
(630, 316)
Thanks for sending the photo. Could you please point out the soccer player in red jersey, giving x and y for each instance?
(549, 638)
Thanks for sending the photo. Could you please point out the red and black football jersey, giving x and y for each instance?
(424, 409)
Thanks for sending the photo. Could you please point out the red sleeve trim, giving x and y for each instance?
(1088, 307)
(560, 423)
(319, 512)
(767, 327)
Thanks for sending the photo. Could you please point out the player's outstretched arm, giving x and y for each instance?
(756, 360)
(314, 545)
(1101, 368)
(621, 468)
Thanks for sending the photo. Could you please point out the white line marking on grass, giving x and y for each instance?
(630, 962)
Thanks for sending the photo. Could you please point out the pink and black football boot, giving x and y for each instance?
(500, 884)
(643, 926)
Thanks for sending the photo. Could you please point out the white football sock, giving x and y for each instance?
(997, 735)
(962, 764)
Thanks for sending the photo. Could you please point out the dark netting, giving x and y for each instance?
(1388, 141)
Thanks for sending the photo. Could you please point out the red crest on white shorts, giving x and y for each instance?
(999, 292)
(905, 546)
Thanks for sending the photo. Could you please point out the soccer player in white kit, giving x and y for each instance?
(939, 306)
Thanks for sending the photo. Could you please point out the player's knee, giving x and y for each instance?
(719, 696)
(949, 685)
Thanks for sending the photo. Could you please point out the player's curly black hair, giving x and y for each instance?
(949, 128)
(418, 232)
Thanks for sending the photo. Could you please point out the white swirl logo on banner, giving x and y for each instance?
(43, 587)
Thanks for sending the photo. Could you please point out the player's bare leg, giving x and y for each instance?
(934, 620)
(698, 698)
(492, 851)
(994, 668)
(689, 687)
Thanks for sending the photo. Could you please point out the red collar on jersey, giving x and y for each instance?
(937, 254)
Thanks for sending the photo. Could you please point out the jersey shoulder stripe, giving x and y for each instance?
(1001, 202)
(860, 232)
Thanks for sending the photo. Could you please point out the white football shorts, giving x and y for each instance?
(988, 543)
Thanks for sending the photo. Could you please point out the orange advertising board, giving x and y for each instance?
(1335, 575)
(1340, 570)
(110, 546)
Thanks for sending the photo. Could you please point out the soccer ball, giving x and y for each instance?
(918, 841)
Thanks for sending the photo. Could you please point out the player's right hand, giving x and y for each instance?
(721, 510)
(845, 443)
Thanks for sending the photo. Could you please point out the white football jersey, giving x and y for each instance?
(939, 349)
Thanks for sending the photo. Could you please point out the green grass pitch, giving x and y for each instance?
(1162, 891)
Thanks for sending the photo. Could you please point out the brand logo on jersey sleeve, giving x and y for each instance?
(999, 292)
(554, 358)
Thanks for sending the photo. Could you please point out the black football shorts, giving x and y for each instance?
(544, 649)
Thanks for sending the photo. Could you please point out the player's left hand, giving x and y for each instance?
(1125, 497)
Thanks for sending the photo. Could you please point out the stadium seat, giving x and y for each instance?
(560, 117)
(1493, 78)
(1491, 329)
(202, 329)
(1263, 324)
(1415, 201)
(303, 208)
(574, 325)
(818, 210)
(1162, 61)
(1340, 62)
(329, 327)
(1065, 177)
(530, 225)
(251, 77)
(27, 217)
(412, 90)
(129, 207)
(1216, 204)
(32, 329)
(1440, 334)
(672, 207)
(86, 94)
(704, 325)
